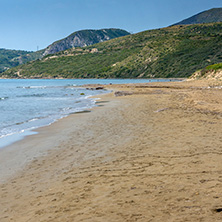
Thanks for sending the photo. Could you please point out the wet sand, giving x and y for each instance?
(154, 155)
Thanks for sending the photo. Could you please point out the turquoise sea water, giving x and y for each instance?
(31, 103)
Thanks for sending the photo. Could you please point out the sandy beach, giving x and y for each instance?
(152, 155)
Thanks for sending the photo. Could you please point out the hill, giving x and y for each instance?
(12, 58)
(176, 51)
(84, 38)
(209, 16)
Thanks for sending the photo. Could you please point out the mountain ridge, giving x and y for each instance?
(84, 38)
(207, 16)
(176, 51)
(11, 58)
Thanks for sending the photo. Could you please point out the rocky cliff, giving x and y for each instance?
(84, 38)
(12, 58)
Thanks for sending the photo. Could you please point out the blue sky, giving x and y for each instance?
(26, 24)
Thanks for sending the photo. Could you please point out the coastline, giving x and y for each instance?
(18, 154)
(153, 155)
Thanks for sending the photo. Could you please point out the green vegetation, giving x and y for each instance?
(92, 35)
(214, 67)
(176, 51)
(10, 58)
(209, 72)
(209, 16)
(84, 38)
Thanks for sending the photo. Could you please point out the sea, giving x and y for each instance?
(27, 104)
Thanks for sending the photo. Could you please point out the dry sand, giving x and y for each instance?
(151, 156)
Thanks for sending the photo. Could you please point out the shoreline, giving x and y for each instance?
(30, 139)
(10, 143)
(152, 155)
(11, 138)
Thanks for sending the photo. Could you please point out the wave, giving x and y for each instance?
(44, 87)
(18, 133)
(20, 127)
(74, 86)
(33, 95)
(31, 87)
(26, 121)
(70, 85)
(4, 98)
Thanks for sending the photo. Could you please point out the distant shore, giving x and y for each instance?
(152, 152)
